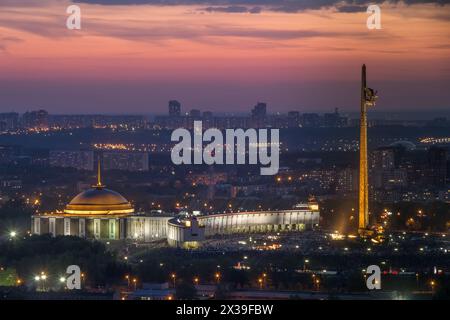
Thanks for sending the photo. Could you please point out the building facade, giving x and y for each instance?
(306, 217)
(102, 214)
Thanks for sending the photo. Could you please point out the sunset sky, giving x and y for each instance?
(132, 56)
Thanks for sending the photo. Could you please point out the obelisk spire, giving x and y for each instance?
(368, 97)
(363, 192)
(99, 174)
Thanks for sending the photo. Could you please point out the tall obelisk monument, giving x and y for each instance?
(368, 97)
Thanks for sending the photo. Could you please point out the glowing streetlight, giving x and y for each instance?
(13, 234)
(43, 278)
(217, 276)
(305, 262)
(433, 285)
(264, 278)
(62, 279)
(174, 279)
(196, 280)
(317, 282)
(83, 278)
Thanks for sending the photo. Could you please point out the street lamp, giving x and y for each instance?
(43, 278)
(196, 280)
(260, 281)
(37, 279)
(13, 234)
(62, 280)
(135, 283)
(174, 279)
(217, 276)
(306, 261)
(433, 285)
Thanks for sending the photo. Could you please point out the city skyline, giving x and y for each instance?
(213, 57)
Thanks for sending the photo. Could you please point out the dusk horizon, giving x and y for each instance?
(137, 55)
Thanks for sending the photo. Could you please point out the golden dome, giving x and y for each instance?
(99, 200)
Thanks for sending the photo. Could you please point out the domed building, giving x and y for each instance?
(99, 201)
(97, 213)
(103, 214)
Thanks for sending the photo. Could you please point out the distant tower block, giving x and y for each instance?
(174, 108)
(368, 98)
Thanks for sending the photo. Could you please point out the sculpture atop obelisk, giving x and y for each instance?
(368, 98)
